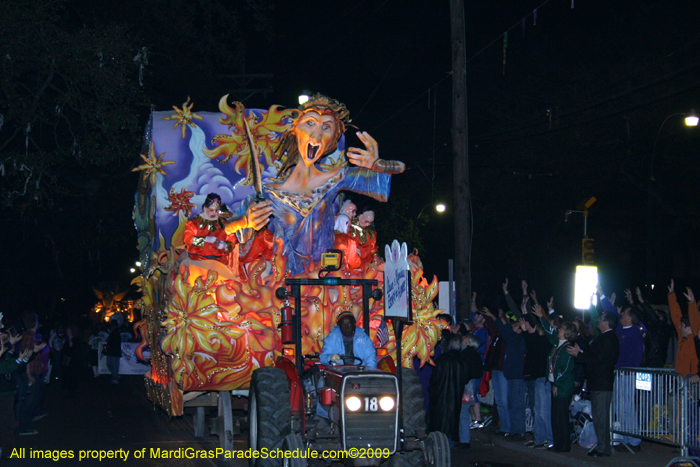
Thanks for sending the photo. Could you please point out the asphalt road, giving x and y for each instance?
(119, 419)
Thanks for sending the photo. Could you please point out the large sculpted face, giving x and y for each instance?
(315, 134)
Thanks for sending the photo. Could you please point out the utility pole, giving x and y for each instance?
(460, 151)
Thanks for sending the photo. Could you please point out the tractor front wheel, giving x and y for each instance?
(269, 412)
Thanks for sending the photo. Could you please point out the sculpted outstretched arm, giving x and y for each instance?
(369, 157)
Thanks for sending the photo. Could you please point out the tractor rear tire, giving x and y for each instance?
(437, 450)
(269, 412)
(293, 443)
(413, 408)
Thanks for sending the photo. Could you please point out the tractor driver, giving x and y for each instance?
(348, 341)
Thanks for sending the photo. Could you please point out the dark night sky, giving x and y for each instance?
(575, 114)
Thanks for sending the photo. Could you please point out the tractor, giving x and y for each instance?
(360, 416)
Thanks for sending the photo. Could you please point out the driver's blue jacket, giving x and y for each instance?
(362, 347)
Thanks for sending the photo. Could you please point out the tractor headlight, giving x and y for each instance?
(386, 403)
(353, 403)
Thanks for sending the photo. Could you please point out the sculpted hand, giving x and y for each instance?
(258, 215)
(369, 157)
(364, 157)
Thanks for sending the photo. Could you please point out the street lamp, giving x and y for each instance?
(440, 207)
(304, 97)
(691, 119)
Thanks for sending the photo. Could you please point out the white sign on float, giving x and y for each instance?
(397, 282)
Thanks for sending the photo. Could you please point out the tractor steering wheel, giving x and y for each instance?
(354, 358)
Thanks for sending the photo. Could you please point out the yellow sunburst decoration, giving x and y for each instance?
(184, 116)
(153, 164)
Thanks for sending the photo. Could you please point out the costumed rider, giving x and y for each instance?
(211, 233)
(363, 231)
(349, 340)
(343, 240)
(205, 233)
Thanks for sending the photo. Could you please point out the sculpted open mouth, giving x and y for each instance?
(311, 150)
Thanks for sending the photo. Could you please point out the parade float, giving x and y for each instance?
(210, 323)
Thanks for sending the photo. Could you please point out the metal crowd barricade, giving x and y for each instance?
(657, 405)
(693, 416)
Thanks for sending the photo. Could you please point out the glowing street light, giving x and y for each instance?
(692, 118)
(440, 207)
(303, 98)
(585, 286)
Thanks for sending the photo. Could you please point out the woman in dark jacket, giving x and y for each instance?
(560, 371)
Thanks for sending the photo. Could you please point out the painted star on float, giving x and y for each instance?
(153, 164)
(184, 117)
(180, 202)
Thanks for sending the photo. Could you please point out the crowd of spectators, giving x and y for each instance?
(534, 362)
(34, 357)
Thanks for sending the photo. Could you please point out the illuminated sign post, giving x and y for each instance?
(585, 286)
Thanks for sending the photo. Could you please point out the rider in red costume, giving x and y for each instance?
(205, 234)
